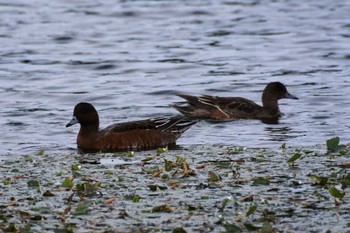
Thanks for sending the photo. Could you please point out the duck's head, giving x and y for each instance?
(276, 91)
(85, 114)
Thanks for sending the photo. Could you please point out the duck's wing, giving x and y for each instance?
(176, 125)
(230, 106)
(194, 101)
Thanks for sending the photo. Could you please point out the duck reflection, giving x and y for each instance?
(280, 134)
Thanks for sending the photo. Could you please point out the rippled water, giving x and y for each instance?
(129, 58)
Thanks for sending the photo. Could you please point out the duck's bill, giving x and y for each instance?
(72, 122)
(290, 96)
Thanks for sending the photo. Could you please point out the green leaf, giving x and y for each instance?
(232, 228)
(266, 228)
(154, 188)
(68, 183)
(179, 230)
(260, 181)
(11, 228)
(334, 146)
(180, 160)
(336, 193)
(213, 177)
(224, 204)
(295, 157)
(346, 182)
(109, 172)
(251, 210)
(283, 146)
(42, 152)
(33, 183)
(162, 149)
(75, 167)
(87, 189)
(319, 180)
(81, 209)
(162, 208)
(48, 193)
(131, 153)
(133, 197)
(250, 227)
(333, 143)
(168, 165)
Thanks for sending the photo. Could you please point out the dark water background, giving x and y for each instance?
(129, 58)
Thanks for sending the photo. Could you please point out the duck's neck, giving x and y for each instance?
(270, 104)
(88, 129)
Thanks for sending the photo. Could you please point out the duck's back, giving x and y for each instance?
(145, 134)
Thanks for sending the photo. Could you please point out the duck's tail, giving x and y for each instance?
(188, 111)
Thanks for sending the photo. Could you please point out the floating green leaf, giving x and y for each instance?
(87, 189)
(58, 174)
(295, 157)
(250, 227)
(133, 197)
(29, 159)
(232, 228)
(168, 165)
(81, 209)
(179, 230)
(131, 153)
(333, 145)
(75, 167)
(156, 187)
(11, 228)
(224, 204)
(213, 177)
(48, 194)
(33, 183)
(336, 193)
(260, 181)
(26, 229)
(163, 209)
(283, 146)
(109, 172)
(346, 182)
(251, 210)
(319, 180)
(42, 152)
(162, 149)
(224, 164)
(180, 160)
(67, 183)
(266, 228)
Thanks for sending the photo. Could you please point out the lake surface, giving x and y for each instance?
(130, 58)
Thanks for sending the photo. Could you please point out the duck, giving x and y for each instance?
(230, 108)
(133, 135)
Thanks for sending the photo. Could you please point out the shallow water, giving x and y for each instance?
(129, 58)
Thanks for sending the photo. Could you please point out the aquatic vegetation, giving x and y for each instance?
(334, 146)
(292, 159)
(208, 189)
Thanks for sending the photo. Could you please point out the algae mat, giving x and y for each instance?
(197, 189)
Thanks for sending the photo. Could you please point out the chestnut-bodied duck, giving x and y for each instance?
(134, 135)
(229, 108)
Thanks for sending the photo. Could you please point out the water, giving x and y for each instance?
(129, 58)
